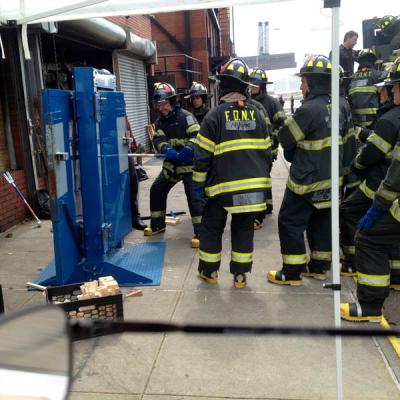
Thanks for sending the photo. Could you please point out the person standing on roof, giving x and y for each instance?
(231, 173)
(174, 130)
(306, 140)
(198, 97)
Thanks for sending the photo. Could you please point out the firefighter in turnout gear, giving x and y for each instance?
(379, 229)
(370, 165)
(276, 115)
(198, 97)
(306, 140)
(363, 95)
(174, 130)
(231, 172)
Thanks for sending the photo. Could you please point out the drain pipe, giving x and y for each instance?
(7, 123)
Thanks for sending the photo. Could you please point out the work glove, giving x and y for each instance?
(198, 193)
(185, 156)
(369, 219)
(363, 135)
(170, 153)
(289, 154)
(361, 173)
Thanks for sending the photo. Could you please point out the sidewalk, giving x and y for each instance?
(194, 367)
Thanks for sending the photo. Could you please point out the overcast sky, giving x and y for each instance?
(303, 26)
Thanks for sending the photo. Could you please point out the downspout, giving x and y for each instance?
(188, 47)
(7, 124)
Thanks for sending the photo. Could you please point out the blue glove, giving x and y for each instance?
(289, 154)
(369, 219)
(170, 153)
(185, 156)
(198, 193)
(361, 173)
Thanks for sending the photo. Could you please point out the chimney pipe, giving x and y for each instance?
(260, 38)
(266, 37)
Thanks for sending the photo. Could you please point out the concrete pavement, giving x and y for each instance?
(194, 367)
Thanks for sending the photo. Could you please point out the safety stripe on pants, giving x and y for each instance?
(294, 259)
(241, 257)
(209, 257)
(373, 280)
(321, 255)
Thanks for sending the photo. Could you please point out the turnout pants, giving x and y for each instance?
(158, 200)
(372, 259)
(352, 209)
(296, 216)
(242, 234)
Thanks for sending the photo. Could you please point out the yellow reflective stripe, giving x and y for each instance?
(396, 153)
(294, 129)
(321, 255)
(358, 165)
(365, 111)
(183, 169)
(293, 259)
(366, 190)
(395, 210)
(269, 201)
(316, 144)
(387, 194)
(350, 133)
(193, 128)
(159, 132)
(373, 280)
(322, 204)
(196, 220)
(205, 143)
(241, 184)
(199, 177)
(394, 264)
(352, 185)
(241, 257)
(363, 89)
(349, 250)
(312, 187)
(157, 214)
(209, 257)
(177, 142)
(242, 144)
(366, 123)
(279, 114)
(247, 208)
(380, 143)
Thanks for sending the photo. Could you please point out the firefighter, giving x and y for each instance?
(370, 165)
(231, 172)
(363, 95)
(379, 229)
(306, 140)
(276, 115)
(174, 130)
(198, 97)
(390, 27)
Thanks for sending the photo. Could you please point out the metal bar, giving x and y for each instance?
(1, 301)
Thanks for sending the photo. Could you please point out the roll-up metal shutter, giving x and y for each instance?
(132, 80)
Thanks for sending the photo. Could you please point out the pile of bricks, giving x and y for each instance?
(108, 311)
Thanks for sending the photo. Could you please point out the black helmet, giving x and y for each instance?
(366, 55)
(394, 73)
(258, 77)
(197, 89)
(236, 69)
(316, 65)
(386, 23)
(162, 92)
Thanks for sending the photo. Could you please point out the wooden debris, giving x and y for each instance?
(135, 293)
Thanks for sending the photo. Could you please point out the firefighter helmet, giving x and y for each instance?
(386, 23)
(366, 55)
(162, 92)
(197, 89)
(235, 68)
(258, 77)
(316, 65)
(394, 73)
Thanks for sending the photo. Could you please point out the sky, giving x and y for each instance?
(303, 26)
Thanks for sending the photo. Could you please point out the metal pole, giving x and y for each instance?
(335, 193)
(1, 301)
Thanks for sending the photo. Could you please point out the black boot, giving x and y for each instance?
(138, 224)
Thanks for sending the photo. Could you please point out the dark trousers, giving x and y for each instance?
(296, 216)
(352, 209)
(134, 189)
(242, 234)
(158, 200)
(372, 259)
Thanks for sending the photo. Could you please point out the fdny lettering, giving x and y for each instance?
(240, 120)
(239, 115)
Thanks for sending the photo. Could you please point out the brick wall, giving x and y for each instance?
(224, 19)
(138, 24)
(12, 207)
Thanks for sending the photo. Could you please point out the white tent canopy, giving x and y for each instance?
(25, 11)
